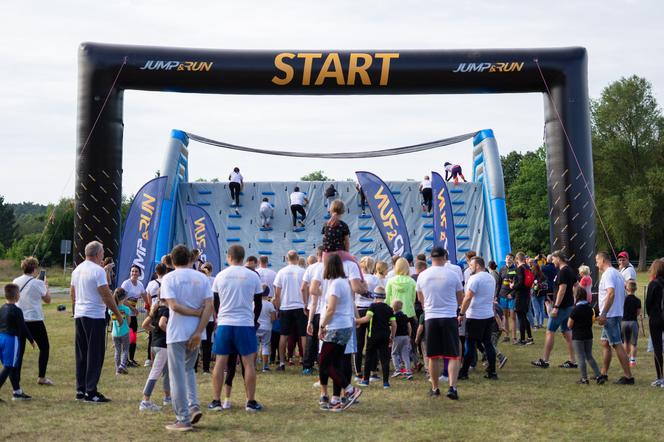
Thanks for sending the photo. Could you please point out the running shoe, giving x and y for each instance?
(568, 364)
(96, 398)
(148, 406)
(266, 369)
(324, 406)
(452, 393)
(502, 360)
(541, 363)
(179, 426)
(316, 384)
(434, 393)
(281, 367)
(80, 395)
(657, 383)
(374, 378)
(491, 376)
(323, 400)
(396, 374)
(386, 385)
(196, 414)
(132, 364)
(337, 407)
(253, 406)
(215, 405)
(168, 402)
(148, 363)
(308, 371)
(363, 383)
(227, 404)
(530, 341)
(443, 378)
(408, 376)
(583, 381)
(45, 381)
(602, 379)
(624, 381)
(352, 397)
(21, 396)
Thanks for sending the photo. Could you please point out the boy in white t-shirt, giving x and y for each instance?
(266, 211)
(264, 332)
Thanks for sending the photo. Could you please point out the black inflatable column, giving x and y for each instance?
(98, 188)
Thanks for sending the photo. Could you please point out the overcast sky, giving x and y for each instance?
(39, 73)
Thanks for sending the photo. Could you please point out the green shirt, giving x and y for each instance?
(402, 287)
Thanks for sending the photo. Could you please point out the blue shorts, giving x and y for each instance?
(506, 304)
(234, 339)
(560, 321)
(9, 350)
(611, 331)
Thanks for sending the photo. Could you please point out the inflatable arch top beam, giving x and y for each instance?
(105, 71)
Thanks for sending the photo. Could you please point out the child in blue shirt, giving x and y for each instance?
(119, 333)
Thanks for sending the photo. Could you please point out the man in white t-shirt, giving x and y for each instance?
(454, 268)
(477, 308)
(189, 297)
(266, 274)
(611, 299)
(313, 314)
(626, 268)
(237, 287)
(290, 300)
(266, 211)
(427, 195)
(440, 291)
(298, 200)
(91, 294)
(235, 185)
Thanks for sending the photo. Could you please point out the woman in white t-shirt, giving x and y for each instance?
(336, 325)
(298, 200)
(235, 185)
(34, 291)
(135, 291)
(427, 194)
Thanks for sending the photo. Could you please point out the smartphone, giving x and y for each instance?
(42, 275)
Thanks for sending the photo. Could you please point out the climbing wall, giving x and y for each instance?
(244, 228)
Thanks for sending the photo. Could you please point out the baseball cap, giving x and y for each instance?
(623, 254)
(379, 292)
(438, 252)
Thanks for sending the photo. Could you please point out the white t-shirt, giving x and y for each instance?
(267, 276)
(86, 278)
(449, 168)
(439, 286)
(466, 275)
(189, 288)
(236, 177)
(134, 292)
(265, 318)
(342, 317)
(289, 280)
(297, 198)
(153, 289)
(308, 277)
(362, 301)
(456, 269)
(612, 278)
(352, 272)
(628, 273)
(483, 286)
(236, 286)
(426, 184)
(266, 207)
(31, 297)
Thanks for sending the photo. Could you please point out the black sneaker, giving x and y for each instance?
(520, 343)
(583, 381)
(530, 341)
(215, 405)
(453, 394)
(21, 397)
(196, 415)
(434, 393)
(96, 398)
(602, 379)
(281, 367)
(463, 376)
(541, 363)
(132, 364)
(80, 395)
(253, 406)
(492, 376)
(502, 361)
(568, 364)
(323, 400)
(624, 381)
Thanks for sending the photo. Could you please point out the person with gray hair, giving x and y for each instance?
(91, 294)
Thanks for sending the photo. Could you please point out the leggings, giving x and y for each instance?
(206, 346)
(293, 340)
(295, 209)
(159, 367)
(7, 373)
(133, 326)
(235, 192)
(231, 368)
(524, 325)
(378, 349)
(656, 329)
(361, 340)
(584, 353)
(331, 366)
(39, 334)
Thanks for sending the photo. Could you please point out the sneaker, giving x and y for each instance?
(530, 341)
(632, 362)
(624, 381)
(227, 404)
(519, 343)
(434, 393)
(168, 402)
(601, 379)
(179, 426)
(96, 398)
(308, 371)
(463, 376)
(352, 397)
(657, 383)
(281, 367)
(491, 376)
(325, 406)
(290, 363)
(80, 395)
(568, 364)
(516, 342)
(386, 385)
(148, 363)
(363, 383)
(408, 376)
(148, 406)
(541, 363)
(196, 414)
(45, 381)
(21, 396)
(336, 407)
(323, 400)
(215, 405)
(253, 406)
(583, 381)
(266, 369)
(374, 378)
(452, 393)
(443, 378)
(316, 384)
(502, 361)
(132, 364)
(396, 374)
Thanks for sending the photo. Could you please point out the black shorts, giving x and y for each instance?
(479, 329)
(442, 336)
(293, 321)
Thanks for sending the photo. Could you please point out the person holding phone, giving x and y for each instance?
(34, 292)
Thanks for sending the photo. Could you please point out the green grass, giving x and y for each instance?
(526, 403)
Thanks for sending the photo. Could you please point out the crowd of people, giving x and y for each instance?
(425, 314)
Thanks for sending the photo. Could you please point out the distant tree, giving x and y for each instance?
(7, 223)
(511, 164)
(316, 175)
(628, 155)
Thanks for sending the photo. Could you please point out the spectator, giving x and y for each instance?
(581, 323)
(521, 290)
(586, 282)
(654, 304)
(626, 268)
(630, 322)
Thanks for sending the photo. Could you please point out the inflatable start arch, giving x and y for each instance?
(105, 71)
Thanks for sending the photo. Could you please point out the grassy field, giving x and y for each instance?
(526, 403)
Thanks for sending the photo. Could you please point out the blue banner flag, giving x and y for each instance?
(443, 220)
(204, 236)
(139, 237)
(386, 213)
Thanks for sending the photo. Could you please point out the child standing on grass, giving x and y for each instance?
(630, 322)
(156, 322)
(120, 333)
(581, 322)
(12, 328)
(264, 332)
(336, 235)
(382, 328)
(401, 342)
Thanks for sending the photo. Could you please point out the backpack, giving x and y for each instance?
(528, 277)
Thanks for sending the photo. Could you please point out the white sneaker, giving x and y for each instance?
(148, 406)
(316, 384)
(226, 405)
(148, 363)
(168, 402)
(657, 383)
(442, 378)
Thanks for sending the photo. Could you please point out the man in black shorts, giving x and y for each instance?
(440, 291)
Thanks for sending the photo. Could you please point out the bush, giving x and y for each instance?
(26, 247)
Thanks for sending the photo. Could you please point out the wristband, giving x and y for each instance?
(462, 314)
(556, 306)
